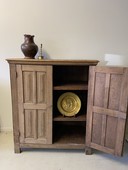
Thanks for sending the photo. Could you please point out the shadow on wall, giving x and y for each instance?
(5, 107)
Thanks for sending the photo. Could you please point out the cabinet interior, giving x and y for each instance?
(70, 75)
(70, 79)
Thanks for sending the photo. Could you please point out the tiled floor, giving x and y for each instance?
(57, 159)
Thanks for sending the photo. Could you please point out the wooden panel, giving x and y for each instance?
(35, 103)
(112, 70)
(99, 84)
(96, 128)
(89, 106)
(34, 79)
(102, 148)
(111, 132)
(103, 131)
(35, 106)
(114, 92)
(107, 109)
(101, 110)
(30, 123)
(15, 115)
(51, 62)
(120, 136)
(42, 124)
(20, 102)
(41, 87)
(36, 126)
(29, 87)
(33, 68)
(56, 145)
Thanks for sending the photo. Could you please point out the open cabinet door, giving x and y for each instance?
(107, 109)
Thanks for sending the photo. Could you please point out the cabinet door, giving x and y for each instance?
(35, 103)
(107, 108)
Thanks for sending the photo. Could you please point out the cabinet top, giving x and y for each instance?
(51, 61)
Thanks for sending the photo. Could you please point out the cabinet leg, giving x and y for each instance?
(88, 151)
(17, 149)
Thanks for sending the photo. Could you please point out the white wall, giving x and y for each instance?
(73, 29)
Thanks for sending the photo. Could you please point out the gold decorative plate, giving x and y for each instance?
(69, 104)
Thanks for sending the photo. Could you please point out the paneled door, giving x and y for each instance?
(107, 109)
(34, 84)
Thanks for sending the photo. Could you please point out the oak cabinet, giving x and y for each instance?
(36, 86)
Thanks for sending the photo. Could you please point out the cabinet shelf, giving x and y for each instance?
(71, 86)
(78, 118)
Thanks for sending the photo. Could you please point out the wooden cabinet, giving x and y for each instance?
(36, 86)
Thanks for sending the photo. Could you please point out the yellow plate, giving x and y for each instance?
(69, 104)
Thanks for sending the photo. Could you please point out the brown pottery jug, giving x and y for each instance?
(29, 48)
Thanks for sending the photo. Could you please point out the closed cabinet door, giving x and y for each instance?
(107, 109)
(34, 85)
